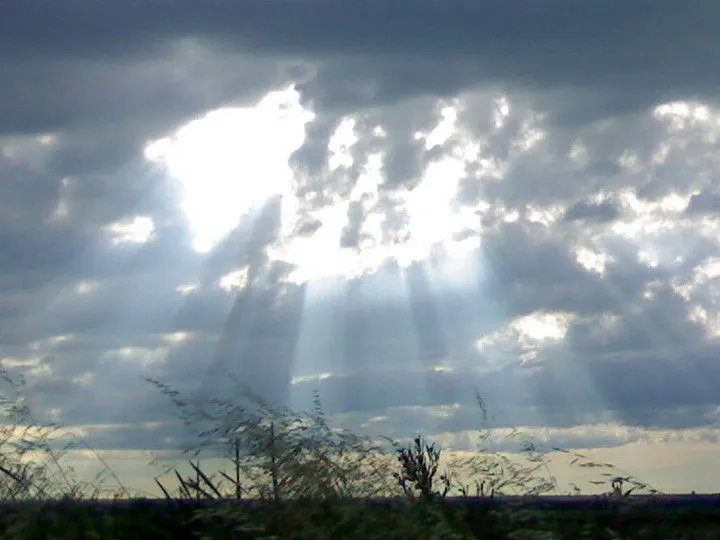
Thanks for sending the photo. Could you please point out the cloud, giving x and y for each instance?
(587, 211)
(706, 202)
(498, 197)
(122, 97)
(584, 54)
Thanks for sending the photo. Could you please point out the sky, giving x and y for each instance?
(395, 203)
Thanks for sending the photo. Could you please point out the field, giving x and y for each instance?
(289, 475)
(546, 517)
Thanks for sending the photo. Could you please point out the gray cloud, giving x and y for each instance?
(706, 202)
(130, 99)
(594, 212)
(368, 52)
(579, 157)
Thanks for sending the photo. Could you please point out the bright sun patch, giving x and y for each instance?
(428, 214)
(524, 337)
(232, 160)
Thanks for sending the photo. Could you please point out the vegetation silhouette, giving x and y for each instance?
(285, 474)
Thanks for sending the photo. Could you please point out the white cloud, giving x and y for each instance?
(230, 161)
(341, 143)
(236, 280)
(139, 230)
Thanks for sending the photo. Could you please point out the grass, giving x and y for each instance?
(286, 474)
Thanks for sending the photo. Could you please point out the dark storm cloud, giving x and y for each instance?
(312, 26)
(125, 100)
(616, 58)
(622, 56)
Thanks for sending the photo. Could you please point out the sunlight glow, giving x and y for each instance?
(707, 270)
(61, 212)
(524, 337)
(235, 280)
(649, 217)
(17, 362)
(311, 378)
(341, 143)
(544, 215)
(135, 356)
(312, 254)
(501, 113)
(683, 114)
(432, 220)
(174, 338)
(404, 225)
(444, 366)
(530, 135)
(429, 205)
(702, 294)
(231, 161)
(369, 181)
(443, 131)
(592, 261)
(139, 230)
(86, 287)
(710, 321)
(61, 338)
(187, 288)
(540, 327)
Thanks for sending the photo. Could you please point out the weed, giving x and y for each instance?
(277, 454)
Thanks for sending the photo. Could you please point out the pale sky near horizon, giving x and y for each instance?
(397, 203)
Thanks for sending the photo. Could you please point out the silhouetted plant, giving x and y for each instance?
(31, 465)
(276, 453)
(419, 464)
(491, 473)
(612, 475)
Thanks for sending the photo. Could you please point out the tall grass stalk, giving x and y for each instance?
(276, 454)
(32, 455)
